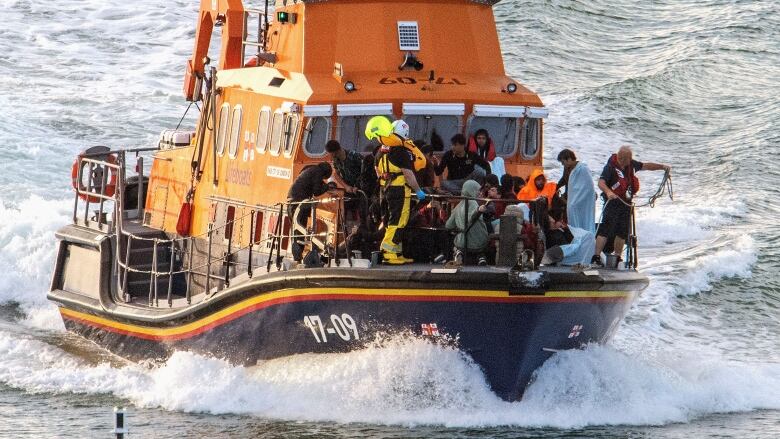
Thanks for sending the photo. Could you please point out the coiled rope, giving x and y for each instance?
(666, 187)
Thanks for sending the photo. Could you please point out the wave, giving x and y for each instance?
(595, 386)
(27, 254)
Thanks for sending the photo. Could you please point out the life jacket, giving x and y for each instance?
(627, 183)
(530, 192)
(389, 174)
(491, 152)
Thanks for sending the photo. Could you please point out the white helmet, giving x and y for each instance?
(401, 128)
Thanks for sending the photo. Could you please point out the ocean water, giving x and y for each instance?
(689, 83)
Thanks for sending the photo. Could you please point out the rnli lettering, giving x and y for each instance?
(407, 80)
(239, 176)
(277, 172)
(343, 326)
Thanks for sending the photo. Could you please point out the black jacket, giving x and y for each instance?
(308, 184)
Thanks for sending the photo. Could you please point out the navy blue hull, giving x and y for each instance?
(508, 339)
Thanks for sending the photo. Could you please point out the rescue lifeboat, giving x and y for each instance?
(185, 245)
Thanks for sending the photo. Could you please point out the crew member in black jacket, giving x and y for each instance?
(309, 184)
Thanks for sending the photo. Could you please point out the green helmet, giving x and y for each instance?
(378, 126)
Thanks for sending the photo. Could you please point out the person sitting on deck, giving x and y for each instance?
(366, 237)
(490, 209)
(482, 145)
(517, 184)
(538, 187)
(461, 165)
(565, 245)
(507, 187)
(310, 183)
(472, 238)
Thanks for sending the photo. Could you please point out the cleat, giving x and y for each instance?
(596, 262)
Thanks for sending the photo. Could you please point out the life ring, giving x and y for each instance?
(81, 188)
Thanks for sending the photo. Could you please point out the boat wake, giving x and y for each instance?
(407, 381)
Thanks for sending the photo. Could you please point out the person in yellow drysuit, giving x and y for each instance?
(395, 166)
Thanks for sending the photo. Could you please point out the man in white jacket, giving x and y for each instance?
(580, 193)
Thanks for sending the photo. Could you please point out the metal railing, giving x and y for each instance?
(261, 37)
(216, 264)
(234, 255)
(99, 193)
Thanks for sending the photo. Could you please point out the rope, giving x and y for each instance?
(184, 115)
(664, 188)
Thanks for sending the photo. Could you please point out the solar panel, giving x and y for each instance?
(408, 35)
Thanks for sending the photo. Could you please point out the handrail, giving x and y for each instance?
(237, 259)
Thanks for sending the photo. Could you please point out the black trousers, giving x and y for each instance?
(299, 215)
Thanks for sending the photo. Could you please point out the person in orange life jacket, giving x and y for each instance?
(482, 145)
(537, 187)
(618, 183)
(461, 165)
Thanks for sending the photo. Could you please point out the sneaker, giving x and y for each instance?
(439, 259)
(458, 257)
(482, 261)
(596, 261)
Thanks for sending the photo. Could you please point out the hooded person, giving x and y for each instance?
(538, 186)
(472, 237)
(580, 193)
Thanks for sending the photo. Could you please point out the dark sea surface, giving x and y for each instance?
(690, 83)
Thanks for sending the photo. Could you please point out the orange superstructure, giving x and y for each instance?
(319, 71)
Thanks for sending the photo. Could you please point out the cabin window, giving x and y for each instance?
(352, 131)
(426, 127)
(276, 133)
(235, 132)
(290, 133)
(530, 140)
(224, 124)
(503, 131)
(263, 122)
(315, 136)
